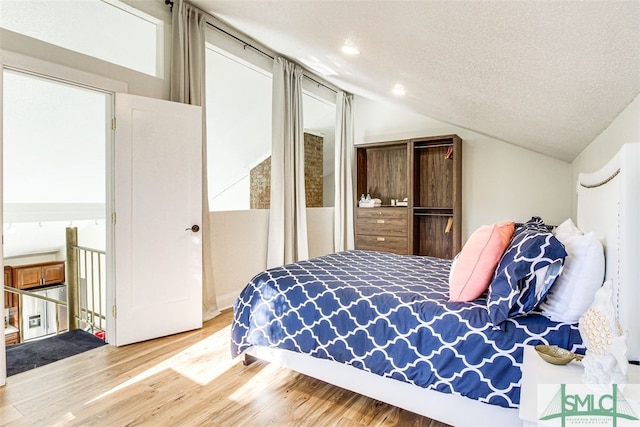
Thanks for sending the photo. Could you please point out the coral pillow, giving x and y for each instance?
(475, 265)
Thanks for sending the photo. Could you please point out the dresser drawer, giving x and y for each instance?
(398, 245)
(387, 226)
(362, 213)
(382, 229)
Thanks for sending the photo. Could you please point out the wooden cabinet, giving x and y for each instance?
(382, 172)
(27, 277)
(383, 229)
(8, 297)
(427, 171)
(41, 274)
(12, 310)
(437, 196)
(11, 336)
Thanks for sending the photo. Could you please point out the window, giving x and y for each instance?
(238, 128)
(239, 137)
(108, 30)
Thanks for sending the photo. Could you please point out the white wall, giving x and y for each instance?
(239, 246)
(138, 83)
(500, 181)
(239, 250)
(625, 128)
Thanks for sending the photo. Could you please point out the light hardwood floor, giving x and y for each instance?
(187, 379)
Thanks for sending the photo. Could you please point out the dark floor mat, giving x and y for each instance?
(25, 356)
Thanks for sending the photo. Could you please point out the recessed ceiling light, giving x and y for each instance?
(350, 49)
(398, 89)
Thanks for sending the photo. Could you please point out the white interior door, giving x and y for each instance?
(157, 200)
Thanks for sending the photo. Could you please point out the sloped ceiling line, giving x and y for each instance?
(546, 76)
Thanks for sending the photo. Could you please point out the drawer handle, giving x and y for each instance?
(380, 239)
(380, 221)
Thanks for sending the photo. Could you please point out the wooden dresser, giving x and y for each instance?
(383, 229)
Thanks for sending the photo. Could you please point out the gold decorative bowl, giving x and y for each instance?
(556, 355)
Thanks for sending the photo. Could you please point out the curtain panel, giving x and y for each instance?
(188, 75)
(287, 240)
(344, 196)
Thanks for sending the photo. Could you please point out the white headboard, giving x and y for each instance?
(609, 205)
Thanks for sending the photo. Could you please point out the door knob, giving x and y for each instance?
(195, 228)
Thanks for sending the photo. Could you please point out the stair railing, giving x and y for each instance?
(86, 285)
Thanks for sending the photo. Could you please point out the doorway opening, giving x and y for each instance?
(55, 139)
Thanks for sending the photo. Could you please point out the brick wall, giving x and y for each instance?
(313, 179)
(260, 176)
(260, 185)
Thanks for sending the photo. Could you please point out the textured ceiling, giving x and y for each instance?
(545, 75)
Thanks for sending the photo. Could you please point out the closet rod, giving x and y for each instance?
(260, 51)
(433, 146)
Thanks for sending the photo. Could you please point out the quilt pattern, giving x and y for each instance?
(390, 315)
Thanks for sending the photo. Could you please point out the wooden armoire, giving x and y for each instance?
(428, 173)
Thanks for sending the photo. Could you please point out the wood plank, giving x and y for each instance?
(184, 379)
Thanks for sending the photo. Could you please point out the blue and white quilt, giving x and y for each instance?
(390, 315)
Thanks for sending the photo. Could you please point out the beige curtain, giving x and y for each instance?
(288, 216)
(344, 196)
(188, 86)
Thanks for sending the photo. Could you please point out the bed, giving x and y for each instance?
(382, 324)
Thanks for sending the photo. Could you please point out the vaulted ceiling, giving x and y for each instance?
(549, 76)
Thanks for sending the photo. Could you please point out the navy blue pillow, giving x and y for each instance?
(530, 265)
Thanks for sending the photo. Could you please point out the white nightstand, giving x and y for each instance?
(536, 371)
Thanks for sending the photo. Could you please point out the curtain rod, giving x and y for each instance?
(260, 51)
(249, 45)
(238, 39)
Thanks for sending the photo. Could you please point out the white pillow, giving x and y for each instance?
(567, 231)
(583, 274)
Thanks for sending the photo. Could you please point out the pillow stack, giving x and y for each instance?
(529, 268)
(583, 274)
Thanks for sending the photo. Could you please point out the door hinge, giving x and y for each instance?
(113, 123)
(113, 218)
(114, 311)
